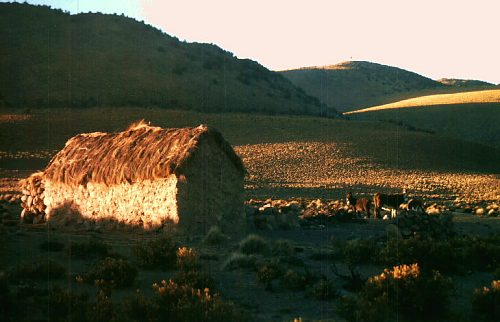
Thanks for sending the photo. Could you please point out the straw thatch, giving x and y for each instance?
(140, 153)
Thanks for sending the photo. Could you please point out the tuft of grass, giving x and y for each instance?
(215, 236)
(238, 260)
(322, 290)
(254, 244)
(485, 301)
(282, 247)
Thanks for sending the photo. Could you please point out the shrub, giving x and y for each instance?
(215, 236)
(187, 259)
(485, 302)
(254, 244)
(359, 251)
(158, 253)
(88, 249)
(140, 308)
(481, 253)
(269, 271)
(323, 290)
(294, 281)
(62, 305)
(42, 269)
(282, 247)
(195, 279)
(116, 272)
(238, 260)
(181, 303)
(403, 290)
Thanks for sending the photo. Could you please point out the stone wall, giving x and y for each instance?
(147, 203)
(211, 191)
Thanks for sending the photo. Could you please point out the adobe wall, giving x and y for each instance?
(152, 202)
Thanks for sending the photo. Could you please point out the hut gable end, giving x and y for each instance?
(142, 152)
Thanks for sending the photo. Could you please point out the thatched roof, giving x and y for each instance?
(142, 152)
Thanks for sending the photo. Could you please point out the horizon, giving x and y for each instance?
(433, 41)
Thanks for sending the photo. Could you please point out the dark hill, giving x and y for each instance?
(51, 58)
(352, 85)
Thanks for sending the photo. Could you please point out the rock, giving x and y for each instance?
(480, 211)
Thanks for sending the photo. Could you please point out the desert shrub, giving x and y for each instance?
(42, 269)
(139, 307)
(294, 281)
(159, 253)
(196, 279)
(238, 260)
(322, 290)
(268, 271)
(485, 302)
(254, 244)
(215, 236)
(117, 272)
(63, 305)
(403, 290)
(282, 247)
(87, 249)
(358, 251)
(429, 254)
(183, 303)
(325, 255)
(187, 259)
(481, 253)
(51, 246)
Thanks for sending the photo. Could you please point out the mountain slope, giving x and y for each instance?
(352, 85)
(470, 116)
(51, 58)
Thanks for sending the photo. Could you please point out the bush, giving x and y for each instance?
(181, 303)
(282, 248)
(63, 305)
(195, 279)
(8, 309)
(40, 270)
(431, 255)
(323, 290)
(215, 237)
(485, 302)
(269, 271)
(237, 260)
(359, 251)
(404, 291)
(187, 259)
(88, 249)
(116, 272)
(159, 253)
(254, 244)
(294, 281)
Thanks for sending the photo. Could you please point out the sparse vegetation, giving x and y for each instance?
(254, 244)
(111, 271)
(401, 290)
(158, 253)
(238, 260)
(485, 302)
(215, 236)
(42, 269)
(51, 246)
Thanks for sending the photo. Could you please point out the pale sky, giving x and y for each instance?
(435, 38)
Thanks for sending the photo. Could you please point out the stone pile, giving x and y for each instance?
(10, 198)
(32, 199)
(289, 214)
(425, 226)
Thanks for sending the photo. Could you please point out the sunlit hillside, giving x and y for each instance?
(475, 97)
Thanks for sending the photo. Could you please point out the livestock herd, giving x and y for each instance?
(388, 202)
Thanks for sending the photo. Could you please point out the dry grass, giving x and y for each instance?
(487, 96)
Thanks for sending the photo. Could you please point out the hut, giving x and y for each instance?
(144, 176)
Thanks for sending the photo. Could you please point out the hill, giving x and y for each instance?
(464, 82)
(471, 116)
(352, 85)
(52, 58)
